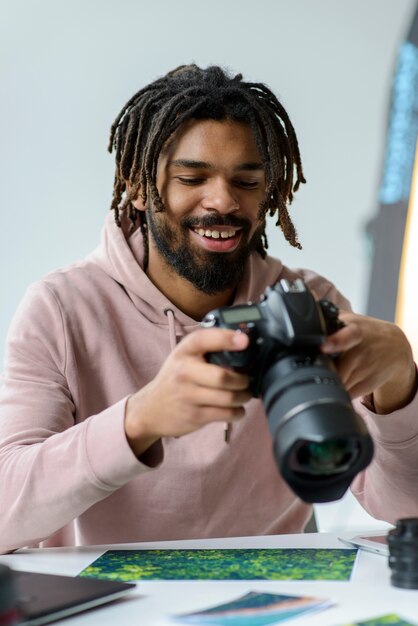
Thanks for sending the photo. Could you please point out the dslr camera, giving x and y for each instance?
(319, 442)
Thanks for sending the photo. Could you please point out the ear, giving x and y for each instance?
(137, 201)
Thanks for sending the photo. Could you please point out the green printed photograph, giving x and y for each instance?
(384, 620)
(237, 564)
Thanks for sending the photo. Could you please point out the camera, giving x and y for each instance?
(319, 442)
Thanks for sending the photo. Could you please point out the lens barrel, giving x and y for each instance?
(403, 553)
(319, 442)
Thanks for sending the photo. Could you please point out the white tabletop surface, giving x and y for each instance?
(368, 594)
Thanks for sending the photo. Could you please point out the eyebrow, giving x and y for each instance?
(203, 165)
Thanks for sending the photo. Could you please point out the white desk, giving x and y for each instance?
(368, 594)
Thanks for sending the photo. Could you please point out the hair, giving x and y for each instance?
(151, 117)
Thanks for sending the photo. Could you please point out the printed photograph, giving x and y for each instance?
(255, 609)
(245, 564)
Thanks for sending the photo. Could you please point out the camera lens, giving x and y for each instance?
(403, 553)
(319, 442)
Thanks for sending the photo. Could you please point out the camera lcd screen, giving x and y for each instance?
(241, 314)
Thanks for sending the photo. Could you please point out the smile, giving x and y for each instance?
(215, 234)
(218, 238)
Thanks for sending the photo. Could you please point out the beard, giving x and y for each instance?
(210, 272)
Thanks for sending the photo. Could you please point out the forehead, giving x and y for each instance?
(204, 140)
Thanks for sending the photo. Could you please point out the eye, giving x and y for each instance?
(247, 184)
(190, 180)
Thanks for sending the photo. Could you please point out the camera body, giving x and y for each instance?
(319, 442)
(287, 320)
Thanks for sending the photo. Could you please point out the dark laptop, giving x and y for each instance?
(44, 598)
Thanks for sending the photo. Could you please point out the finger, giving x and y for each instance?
(355, 376)
(220, 398)
(358, 390)
(211, 375)
(344, 339)
(212, 340)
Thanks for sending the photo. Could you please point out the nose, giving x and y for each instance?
(220, 197)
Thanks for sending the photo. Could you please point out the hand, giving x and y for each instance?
(188, 392)
(376, 358)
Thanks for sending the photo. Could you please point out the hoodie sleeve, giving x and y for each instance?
(51, 468)
(388, 488)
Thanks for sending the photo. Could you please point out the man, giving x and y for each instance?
(112, 421)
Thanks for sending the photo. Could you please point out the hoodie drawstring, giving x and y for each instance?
(171, 327)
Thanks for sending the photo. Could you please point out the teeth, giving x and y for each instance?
(215, 234)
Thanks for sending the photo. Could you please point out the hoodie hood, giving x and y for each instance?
(120, 255)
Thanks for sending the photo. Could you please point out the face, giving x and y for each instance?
(211, 180)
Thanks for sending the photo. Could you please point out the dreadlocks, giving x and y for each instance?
(154, 113)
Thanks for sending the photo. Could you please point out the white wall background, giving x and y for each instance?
(66, 69)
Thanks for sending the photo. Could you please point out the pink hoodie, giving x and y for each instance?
(83, 340)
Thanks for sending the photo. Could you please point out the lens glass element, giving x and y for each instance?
(328, 457)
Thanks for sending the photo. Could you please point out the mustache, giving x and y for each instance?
(206, 221)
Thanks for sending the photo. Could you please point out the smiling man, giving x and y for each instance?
(112, 422)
